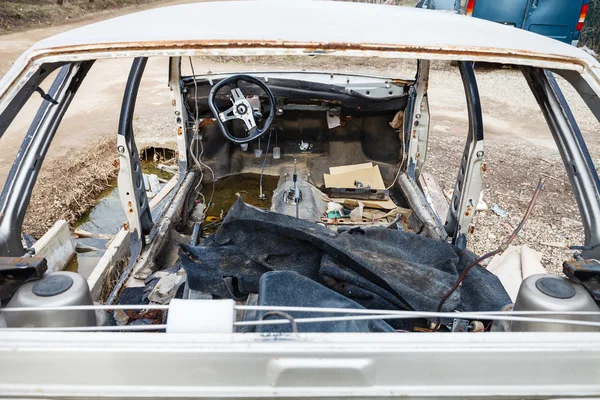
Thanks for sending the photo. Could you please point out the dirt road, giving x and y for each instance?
(519, 147)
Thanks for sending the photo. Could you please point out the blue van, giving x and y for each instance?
(559, 19)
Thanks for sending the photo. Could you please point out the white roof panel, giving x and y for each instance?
(321, 23)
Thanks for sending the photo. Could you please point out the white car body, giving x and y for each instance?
(408, 365)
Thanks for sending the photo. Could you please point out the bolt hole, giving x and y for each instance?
(368, 93)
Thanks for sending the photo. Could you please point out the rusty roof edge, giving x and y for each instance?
(247, 47)
(314, 47)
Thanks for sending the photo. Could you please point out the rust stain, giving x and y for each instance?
(206, 122)
(116, 164)
(179, 130)
(483, 167)
(308, 47)
(468, 211)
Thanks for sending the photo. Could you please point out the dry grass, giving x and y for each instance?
(68, 187)
(112, 277)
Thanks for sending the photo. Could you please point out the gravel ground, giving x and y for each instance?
(512, 174)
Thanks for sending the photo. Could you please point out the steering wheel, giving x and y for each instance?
(241, 108)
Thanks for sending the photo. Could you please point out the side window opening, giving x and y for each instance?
(519, 150)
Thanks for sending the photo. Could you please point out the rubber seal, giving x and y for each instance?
(52, 285)
(556, 288)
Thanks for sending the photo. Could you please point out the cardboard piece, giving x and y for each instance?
(514, 265)
(348, 168)
(378, 204)
(367, 176)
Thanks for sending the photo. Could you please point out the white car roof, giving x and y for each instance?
(318, 25)
(300, 27)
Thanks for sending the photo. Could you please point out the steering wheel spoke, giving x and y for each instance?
(237, 94)
(249, 121)
(241, 108)
(228, 114)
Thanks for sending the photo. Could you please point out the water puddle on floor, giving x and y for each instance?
(247, 186)
(105, 218)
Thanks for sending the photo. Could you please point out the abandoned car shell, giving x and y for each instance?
(316, 365)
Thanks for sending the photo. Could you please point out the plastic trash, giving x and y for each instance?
(333, 207)
(146, 182)
(154, 184)
(498, 211)
(357, 214)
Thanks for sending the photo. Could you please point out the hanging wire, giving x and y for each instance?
(404, 157)
(196, 139)
(195, 91)
(397, 175)
(262, 170)
(200, 164)
(499, 250)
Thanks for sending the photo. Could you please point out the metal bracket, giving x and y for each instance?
(175, 84)
(416, 126)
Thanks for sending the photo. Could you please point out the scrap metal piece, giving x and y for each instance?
(15, 271)
(361, 193)
(460, 325)
(421, 209)
(586, 273)
(333, 118)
